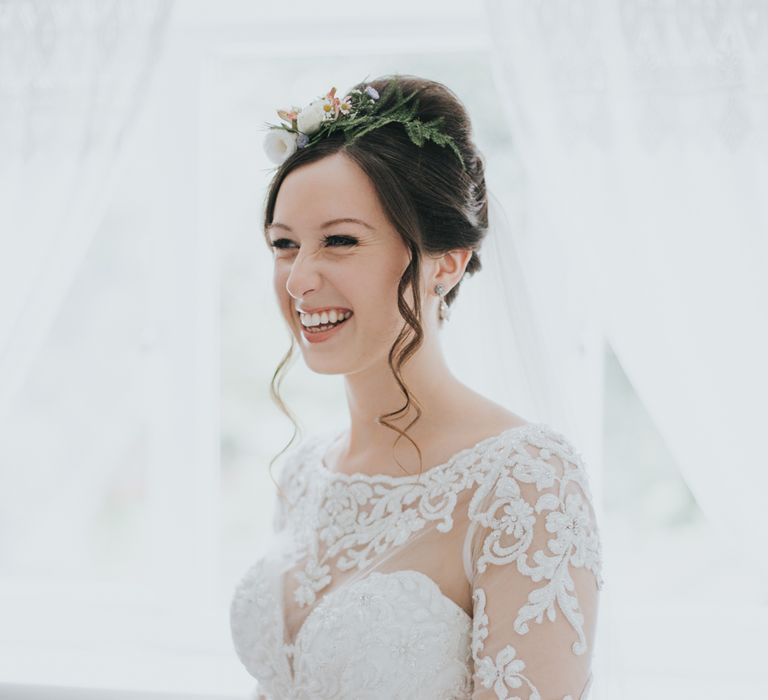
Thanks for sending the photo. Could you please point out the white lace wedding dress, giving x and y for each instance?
(479, 578)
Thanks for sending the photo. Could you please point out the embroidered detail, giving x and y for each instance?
(503, 672)
(506, 670)
(499, 506)
(362, 515)
(391, 635)
(313, 578)
(358, 517)
(258, 645)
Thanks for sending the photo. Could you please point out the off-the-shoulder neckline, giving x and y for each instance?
(327, 438)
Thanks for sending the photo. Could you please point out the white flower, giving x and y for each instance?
(279, 144)
(310, 118)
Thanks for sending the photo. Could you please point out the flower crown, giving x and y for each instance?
(355, 114)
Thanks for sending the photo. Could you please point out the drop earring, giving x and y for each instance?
(444, 311)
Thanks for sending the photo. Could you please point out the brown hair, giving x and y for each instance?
(434, 204)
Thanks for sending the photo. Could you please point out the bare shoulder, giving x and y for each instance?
(487, 417)
(476, 420)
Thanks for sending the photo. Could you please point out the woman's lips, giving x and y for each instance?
(320, 336)
(301, 313)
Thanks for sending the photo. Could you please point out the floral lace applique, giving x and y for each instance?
(361, 516)
(529, 528)
(511, 517)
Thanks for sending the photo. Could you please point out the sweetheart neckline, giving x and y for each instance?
(289, 648)
(328, 438)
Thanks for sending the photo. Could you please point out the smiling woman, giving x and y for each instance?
(379, 233)
(337, 262)
(381, 582)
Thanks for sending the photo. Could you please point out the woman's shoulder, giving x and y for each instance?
(514, 434)
(514, 439)
(514, 430)
(531, 461)
(540, 454)
(537, 483)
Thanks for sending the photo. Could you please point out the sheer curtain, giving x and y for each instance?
(72, 77)
(643, 127)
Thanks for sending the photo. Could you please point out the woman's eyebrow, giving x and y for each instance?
(332, 222)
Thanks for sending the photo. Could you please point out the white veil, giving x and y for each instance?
(495, 339)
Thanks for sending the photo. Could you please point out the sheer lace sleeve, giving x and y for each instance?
(532, 554)
(291, 483)
(280, 509)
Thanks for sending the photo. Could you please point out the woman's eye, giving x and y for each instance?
(333, 241)
(343, 240)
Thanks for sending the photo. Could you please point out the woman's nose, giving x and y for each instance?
(303, 276)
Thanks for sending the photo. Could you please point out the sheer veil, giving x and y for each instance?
(495, 339)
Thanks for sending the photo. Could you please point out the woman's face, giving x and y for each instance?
(321, 262)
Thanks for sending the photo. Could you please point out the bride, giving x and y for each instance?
(441, 546)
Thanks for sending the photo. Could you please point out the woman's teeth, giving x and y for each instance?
(326, 318)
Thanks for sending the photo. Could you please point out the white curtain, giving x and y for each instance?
(643, 130)
(73, 74)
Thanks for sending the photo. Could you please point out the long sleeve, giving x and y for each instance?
(532, 555)
(290, 484)
(250, 634)
(279, 513)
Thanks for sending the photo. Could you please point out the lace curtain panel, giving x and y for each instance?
(73, 76)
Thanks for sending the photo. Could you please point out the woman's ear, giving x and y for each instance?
(450, 268)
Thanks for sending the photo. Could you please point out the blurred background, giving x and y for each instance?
(627, 142)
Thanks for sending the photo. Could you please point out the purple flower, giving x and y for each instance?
(372, 92)
(302, 140)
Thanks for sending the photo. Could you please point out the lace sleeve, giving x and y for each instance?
(291, 483)
(279, 509)
(532, 555)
